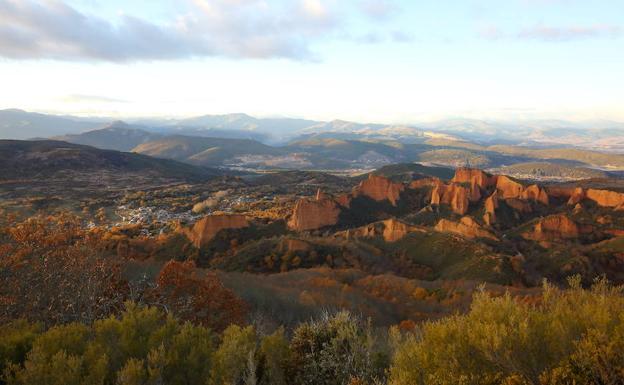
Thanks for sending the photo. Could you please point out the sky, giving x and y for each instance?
(386, 61)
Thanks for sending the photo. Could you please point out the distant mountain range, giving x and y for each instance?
(242, 141)
(599, 134)
(117, 135)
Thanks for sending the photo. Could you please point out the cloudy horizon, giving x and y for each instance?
(387, 61)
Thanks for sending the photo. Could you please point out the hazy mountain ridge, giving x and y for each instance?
(39, 159)
(598, 134)
(117, 135)
(240, 140)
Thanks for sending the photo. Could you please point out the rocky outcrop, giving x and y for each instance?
(512, 189)
(508, 187)
(314, 214)
(455, 195)
(491, 204)
(467, 227)
(535, 193)
(425, 182)
(395, 230)
(555, 227)
(379, 189)
(205, 229)
(344, 200)
(578, 194)
(606, 198)
(475, 177)
(391, 230)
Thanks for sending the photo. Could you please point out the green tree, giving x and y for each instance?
(275, 356)
(17, 339)
(334, 350)
(231, 358)
(133, 373)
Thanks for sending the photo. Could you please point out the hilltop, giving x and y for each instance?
(44, 158)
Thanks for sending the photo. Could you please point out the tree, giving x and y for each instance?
(17, 339)
(40, 261)
(195, 297)
(275, 357)
(231, 358)
(334, 350)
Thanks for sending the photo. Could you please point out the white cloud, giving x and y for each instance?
(51, 29)
(548, 33)
(555, 34)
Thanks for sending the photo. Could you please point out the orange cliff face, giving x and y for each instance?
(466, 227)
(491, 204)
(603, 198)
(535, 193)
(556, 227)
(379, 189)
(314, 214)
(474, 176)
(510, 189)
(391, 230)
(455, 195)
(205, 229)
(606, 198)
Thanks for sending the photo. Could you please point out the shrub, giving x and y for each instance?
(334, 350)
(572, 335)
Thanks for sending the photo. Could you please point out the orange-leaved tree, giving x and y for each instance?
(197, 296)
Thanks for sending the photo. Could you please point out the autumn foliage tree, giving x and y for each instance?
(54, 270)
(195, 296)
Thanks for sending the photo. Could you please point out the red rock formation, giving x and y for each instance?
(491, 204)
(425, 182)
(578, 194)
(474, 193)
(395, 230)
(391, 230)
(474, 176)
(379, 188)
(459, 197)
(466, 227)
(606, 198)
(344, 200)
(554, 227)
(615, 232)
(314, 214)
(455, 195)
(573, 194)
(508, 188)
(535, 193)
(205, 229)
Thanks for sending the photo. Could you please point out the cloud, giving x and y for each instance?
(554, 34)
(547, 33)
(378, 9)
(81, 98)
(51, 29)
(396, 36)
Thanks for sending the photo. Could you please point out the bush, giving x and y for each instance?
(573, 336)
(143, 346)
(335, 350)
